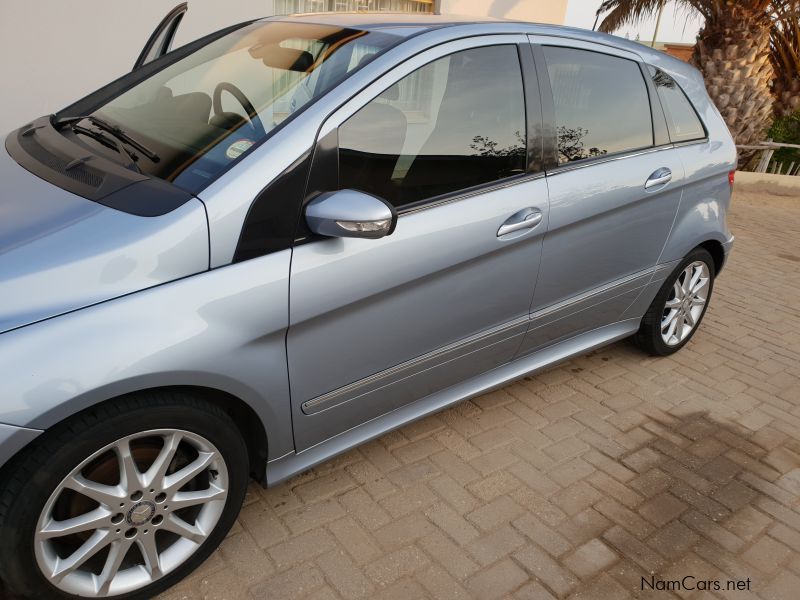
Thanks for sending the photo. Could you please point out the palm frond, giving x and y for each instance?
(785, 42)
(619, 13)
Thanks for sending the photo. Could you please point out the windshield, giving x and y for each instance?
(204, 112)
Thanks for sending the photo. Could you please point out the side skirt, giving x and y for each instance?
(281, 469)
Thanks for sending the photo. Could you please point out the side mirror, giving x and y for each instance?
(350, 213)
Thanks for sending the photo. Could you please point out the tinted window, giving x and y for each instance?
(682, 120)
(452, 124)
(601, 103)
(195, 113)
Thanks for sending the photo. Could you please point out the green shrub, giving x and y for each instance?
(787, 131)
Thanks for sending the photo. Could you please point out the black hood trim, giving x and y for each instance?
(42, 150)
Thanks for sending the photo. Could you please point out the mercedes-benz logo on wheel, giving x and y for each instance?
(141, 513)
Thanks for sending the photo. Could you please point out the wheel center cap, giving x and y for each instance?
(140, 513)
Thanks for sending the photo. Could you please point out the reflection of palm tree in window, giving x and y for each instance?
(483, 146)
(509, 160)
(661, 79)
(571, 146)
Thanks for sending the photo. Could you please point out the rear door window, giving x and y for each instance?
(601, 103)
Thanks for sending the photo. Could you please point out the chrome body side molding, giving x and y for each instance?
(281, 469)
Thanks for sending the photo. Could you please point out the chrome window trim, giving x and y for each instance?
(589, 162)
(696, 142)
(485, 188)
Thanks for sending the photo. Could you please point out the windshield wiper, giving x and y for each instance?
(112, 143)
(113, 130)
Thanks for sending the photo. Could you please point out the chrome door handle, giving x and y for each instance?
(527, 218)
(660, 177)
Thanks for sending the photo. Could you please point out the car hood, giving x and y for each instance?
(60, 252)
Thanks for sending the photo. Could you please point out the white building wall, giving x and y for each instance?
(539, 11)
(53, 52)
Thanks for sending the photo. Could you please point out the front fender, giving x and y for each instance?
(222, 329)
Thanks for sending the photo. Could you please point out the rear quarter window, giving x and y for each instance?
(682, 121)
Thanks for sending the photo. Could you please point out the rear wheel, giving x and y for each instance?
(121, 501)
(679, 306)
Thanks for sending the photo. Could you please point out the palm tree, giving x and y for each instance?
(732, 52)
(786, 60)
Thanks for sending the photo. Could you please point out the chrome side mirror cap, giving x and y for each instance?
(350, 213)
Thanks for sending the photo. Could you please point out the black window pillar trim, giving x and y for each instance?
(660, 130)
(166, 29)
(323, 176)
(548, 108)
(534, 125)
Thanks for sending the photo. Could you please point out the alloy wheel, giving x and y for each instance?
(131, 513)
(686, 303)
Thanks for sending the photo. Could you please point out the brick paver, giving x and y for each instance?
(577, 482)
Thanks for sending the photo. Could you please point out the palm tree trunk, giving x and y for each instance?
(734, 56)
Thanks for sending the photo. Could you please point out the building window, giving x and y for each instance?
(286, 7)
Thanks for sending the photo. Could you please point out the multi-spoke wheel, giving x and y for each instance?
(679, 306)
(686, 303)
(129, 515)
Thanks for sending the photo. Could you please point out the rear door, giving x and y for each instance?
(160, 41)
(615, 184)
(378, 324)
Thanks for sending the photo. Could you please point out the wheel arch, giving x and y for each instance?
(246, 419)
(717, 252)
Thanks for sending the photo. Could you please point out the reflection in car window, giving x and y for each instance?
(601, 103)
(682, 121)
(452, 124)
(206, 110)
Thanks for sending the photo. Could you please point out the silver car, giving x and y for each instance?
(259, 250)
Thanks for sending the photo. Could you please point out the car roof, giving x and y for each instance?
(408, 24)
(383, 20)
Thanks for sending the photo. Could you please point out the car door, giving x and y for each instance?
(377, 324)
(614, 182)
(160, 41)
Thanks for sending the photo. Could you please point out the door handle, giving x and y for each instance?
(527, 218)
(660, 177)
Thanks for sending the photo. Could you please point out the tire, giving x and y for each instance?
(195, 437)
(649, 337)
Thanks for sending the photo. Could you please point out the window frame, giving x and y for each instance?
(325, 168)
(660, 135)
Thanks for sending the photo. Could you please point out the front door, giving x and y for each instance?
(614, 183)
(376, 324)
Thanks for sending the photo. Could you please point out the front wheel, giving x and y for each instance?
(121, 501)
(679, 306)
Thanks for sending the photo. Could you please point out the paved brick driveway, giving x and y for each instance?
(579, 481)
